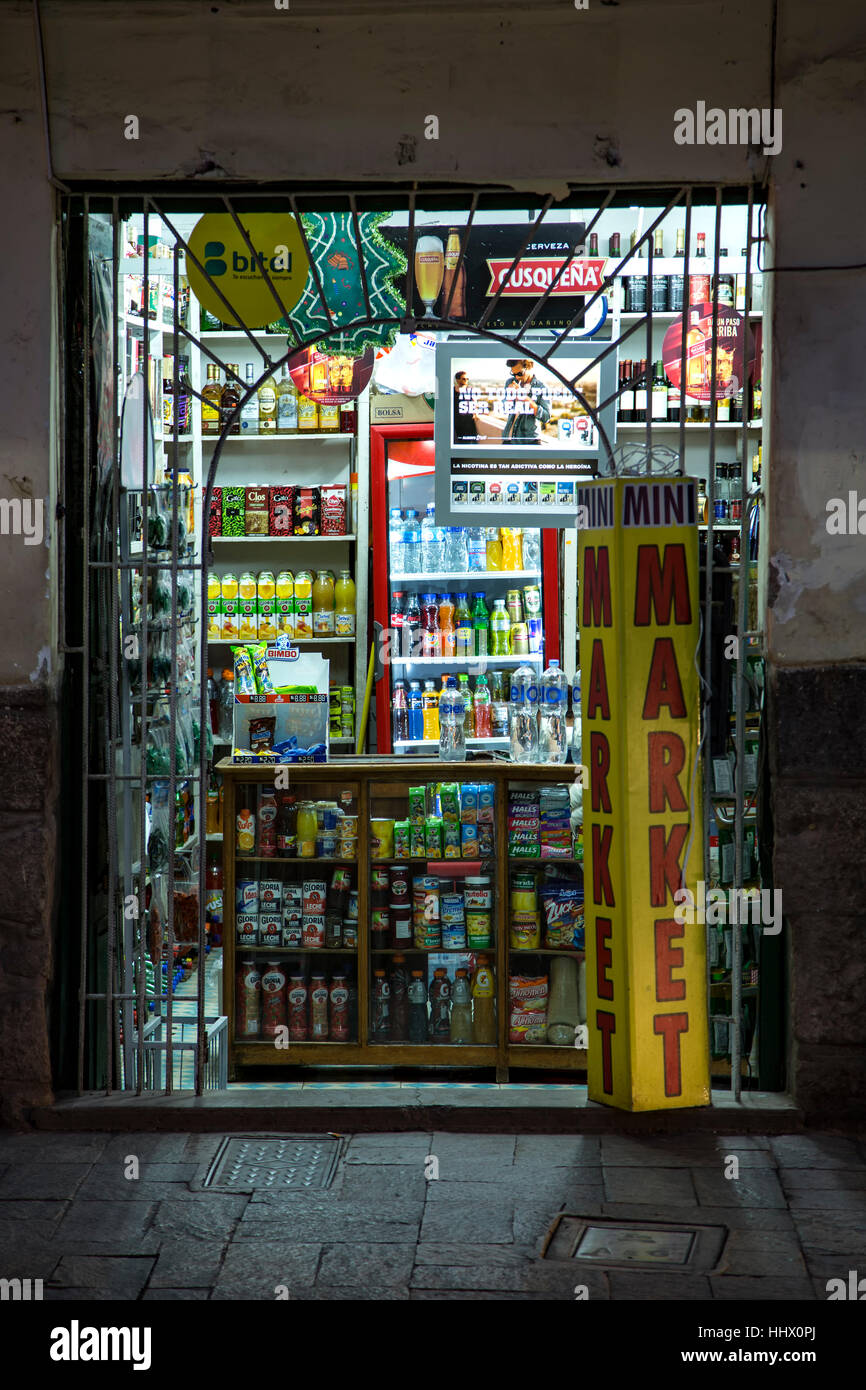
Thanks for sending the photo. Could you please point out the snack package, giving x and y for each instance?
(264, 684)
(528, 999)
(233, 511)
(416, 842)
(562, 913)
(262, 733)
(449, 802)
(433, 837)
(417, 805)
(245, 683)
(402, 840)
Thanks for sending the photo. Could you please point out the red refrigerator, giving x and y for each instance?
(402, 464)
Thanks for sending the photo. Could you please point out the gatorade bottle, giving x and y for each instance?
(416, 712)
(461, 1009)
(480, 622)
(417, 1008)
(430, 708)
(440, 1007)
(483, 1005)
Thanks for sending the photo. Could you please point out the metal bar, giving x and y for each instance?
(173, 696)
(506, 279)
(85, 635)
(539, 305)
(464, 242)
(649, 351)
(143, 651)
(410, 259)
(313, 267)
(686, 307)
(284, 313)
(353, 204)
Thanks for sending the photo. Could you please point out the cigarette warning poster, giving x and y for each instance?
(643, 832)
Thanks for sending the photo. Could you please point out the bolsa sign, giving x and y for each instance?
(639, 626)
(237, 270)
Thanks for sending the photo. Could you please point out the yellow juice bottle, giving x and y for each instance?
(267, 605)
(494, 548)
(230, 615)
(303, 604)
(214, 607)
(512, 547)
(285, 594)
(248, 624)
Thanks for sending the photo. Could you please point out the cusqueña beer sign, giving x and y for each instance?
(639, 624)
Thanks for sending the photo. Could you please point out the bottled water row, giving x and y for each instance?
(419, 546)
(537, 713)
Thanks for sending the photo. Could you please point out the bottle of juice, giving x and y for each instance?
(483, 1004)
(307, 825)
(344, 612)
(468, 706)
(248, 618)
(500, 628)
(464, 641)
(430, 634)
(446, 625)
(512, 547)
(494, 548)
(267, 605)
(285, 597)
(229, 590)
(323, 604)
(430, 711)
(480, 622)
(303, 604)
(483, 726)
(214, 607)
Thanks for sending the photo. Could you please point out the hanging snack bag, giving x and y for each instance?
(562, 913)
(245, 683)
(264, 684)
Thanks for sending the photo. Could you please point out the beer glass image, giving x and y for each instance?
(429, 271)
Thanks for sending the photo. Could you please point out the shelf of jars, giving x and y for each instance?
(462, 943)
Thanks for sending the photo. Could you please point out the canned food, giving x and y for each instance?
(350, 932)
(535, 635)
(352, 911)
(349, 847)
(451, 905)
(326, 845)
(314, 894)
(478, 930)
(247, 895)
(454, 935)
(520, 639)
(270, 895)
(532, 600)
(478, 894)
(399, 886)
(313, 933)
(247, 928)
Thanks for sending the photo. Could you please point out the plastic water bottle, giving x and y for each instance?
(452, 733)
(395, 541)
(553, 705)
(411, 543)
(457, 552)
(576, 731)
(523, 715)
(532, 550)
(440, 541)
(428, 542)
(477, 547)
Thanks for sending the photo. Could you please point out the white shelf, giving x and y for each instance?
(469, 575)
(464, 663)
(134, 321)
(295, 641)
(671, 315)
(673, 425)
(501, 742)
(301, 437)
(256, 540)
(342, 739)
(214, 837)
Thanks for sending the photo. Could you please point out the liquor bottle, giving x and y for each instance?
(210, 406)
(757, 398)
(268, 406)
(695, 366)
(613, 247)
(593, 243)
(230, 398)
(626, 400)
(329, 417)
(308, 414)
(702, 505)
(702, 244)
(676, 282)
(737, 407)
(725, 287)
(674, 398)
(287, 404)
(659, 393)
(250, 410)
(640, 393)
(660, 282)
(636, 286)
(457, 309)
(723, 409)
(208, 322)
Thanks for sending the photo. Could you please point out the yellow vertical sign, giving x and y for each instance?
(638, 613)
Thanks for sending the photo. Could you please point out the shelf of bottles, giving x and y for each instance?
(294, 939)
(432, 923)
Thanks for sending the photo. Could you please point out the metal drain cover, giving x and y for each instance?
(667, 1245)
(255, 1162)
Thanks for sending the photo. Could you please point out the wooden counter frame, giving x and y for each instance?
(366, 775)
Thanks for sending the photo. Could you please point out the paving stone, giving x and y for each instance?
(43, 1147)
(746, 1288)
(255, 1269)
(836, 1266)
(389, 1148)
(52, 1181)
(126, 1276)
(112, 1186)
(818, 1151)
(826, 1200)
(210, 1217)
(84, 1295)
(551, 1187)
(379, 1265)
(32, 1211)
(469, 1222)
(158, 1148)
(478, 1276)
(558, 1150)
(743, 1141)
(153, 1295)
(669, 1151)
(567, 1279)
(830, 1233)
(350, 1293)
(490, 1148)
(478, 1296)
(111, 1223)
(200, 1148)
(753, 1188)
(761, 1253)
(823, 1179)
(28, 1256)
(735, 1218)
(363, 1182)
(187, 1264)
(441, 1253)
(627, 1285)
(531, 1222)
(671, 1186)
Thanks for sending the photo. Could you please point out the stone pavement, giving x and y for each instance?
(795, 1216)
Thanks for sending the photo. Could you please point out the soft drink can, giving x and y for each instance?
(520, 639)
(535, 635)
(514, 606)
(532, 600)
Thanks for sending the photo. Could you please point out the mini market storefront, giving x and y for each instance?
(222, 456)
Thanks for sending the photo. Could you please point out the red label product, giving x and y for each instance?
(280, 500)
(215, 516)
(305, 511)
(298, 1009)
(274, 999)
(318, 1009)
(338, 1004)
(332, 502)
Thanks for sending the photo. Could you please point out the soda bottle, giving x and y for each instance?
(400, 715)
(287, 826)
(452, 733)
(461, 1009)
(399, 1000)
(465, 641)
(523, 715)
(381, 1024)
(416, 712)
(410, 638)
(483, 1004)
(417, 1008)
(397, 619)
(430, 709)
(500, 628)
(482, 709)
(480, 622)
(431, 638)
(499, 692)
(448, 636)
(552, 702)
(468, 707)
(576, 732)
(440, 1007)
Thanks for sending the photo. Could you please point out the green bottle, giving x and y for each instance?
(463, 626)
(481, 623)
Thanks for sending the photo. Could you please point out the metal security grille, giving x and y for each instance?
(135, 584)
